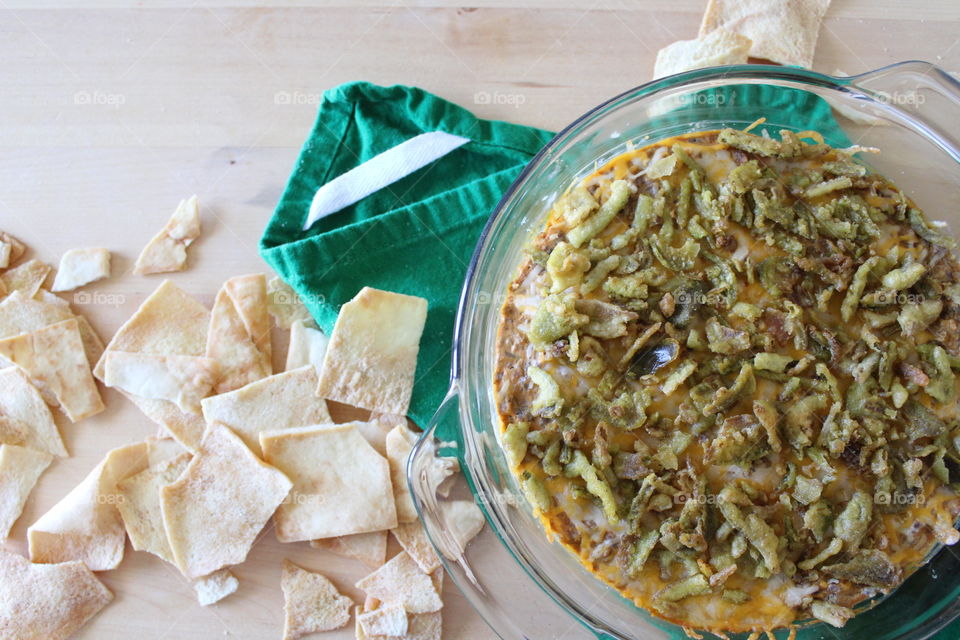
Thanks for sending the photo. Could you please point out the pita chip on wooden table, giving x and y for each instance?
(81, 266)
(277, 402)
(399, 444)
(167, 251)
(239, 335)
(413, 538)
(169, 322)
(20, 313)
(47, 601)
(368, 548)
(384, 621)
(285, 305)
(784, 32)
(341, 485)
(85, 525)
(215, 510)
(25, 419)
(11, 250)
(311, 603)
(402, 582)
(56, 363)
(307, 346)
(182, 380)
(372, 356)
(215, 587)
(27, 277)
(20, 468)
(718, 47)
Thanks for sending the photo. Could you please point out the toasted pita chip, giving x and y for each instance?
(413, 538)
(81, 266)
(311, 603)
(719, 47)
(462, 520)
(341, 484)
(85, 525)
(20, 468)
(215, 587)
(285, 306)
(372, 356)
(214, 511)
(20, 313)
(27, 414)
(140, 505)
(239, 336)
(368, 548)
(784, 32)
(28, 277)
(401, 582)
(47, 602)
(307, 346)
(14, 249)
(167, 251)
(169, 322)
(385, 621)
(54, 359)
(182, 380)
(399, 444)
(278, 402)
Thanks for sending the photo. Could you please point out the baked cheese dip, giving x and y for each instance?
(726, 380)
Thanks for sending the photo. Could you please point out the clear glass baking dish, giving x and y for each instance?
(526, 586)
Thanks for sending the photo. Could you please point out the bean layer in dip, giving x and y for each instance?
(726, 380)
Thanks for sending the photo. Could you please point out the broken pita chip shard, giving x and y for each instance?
(278, 402)
(20, 313)
(413, 538)
(11, 250)
(399, 444)
(27, 415)
(27, 277)
(368, 548)
(239, 335)
(81, 266)
(54, 359)
(20, 468)
(719, 47)
(784, 32)
(215, 587)
(311, 603)
(286, 307)
(182, 380)
(372, 356)
(385, 621)
(307, 346)
(85, 525)
(139, 505)
(401, 582)
(214, 511)
(167, 251)
(47, 602)
(341, 485)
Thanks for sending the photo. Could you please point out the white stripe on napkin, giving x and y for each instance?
(380, 171)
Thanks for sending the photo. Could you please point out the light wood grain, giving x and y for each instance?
(111, 114)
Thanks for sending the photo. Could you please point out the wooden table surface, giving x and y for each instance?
(111, 114)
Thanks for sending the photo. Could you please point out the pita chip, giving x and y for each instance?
(81, 266)
(239, 336)
(140, 505)
(54, 359)
(26, 415)
(11, 250)
(214, 511)
(413, 538)
(285, 305)
(307, 346)
(215, 587)
(401, 582)
(27, 277)
(47, 602)
(20, 313)
(399, 444)
(278, 402)
(368, 548)
(167, 251)
(784, 32)
(85, 525)
(372, 356)
(20, 468)
(311, 603)
(719, 47)
(384, 621)
(341, 485)
(182, 380)
(169, 322)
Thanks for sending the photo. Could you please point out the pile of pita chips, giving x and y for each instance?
(311, 603)
(401, 587)
(47, 601)
(239, 336)
(20, 313)
(81, 266)
(167, 251)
